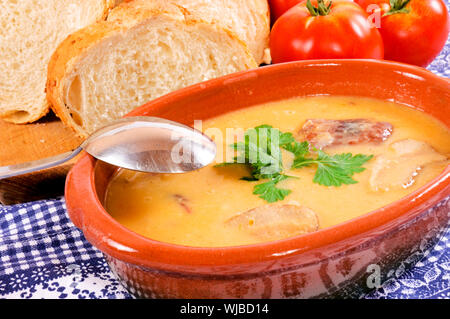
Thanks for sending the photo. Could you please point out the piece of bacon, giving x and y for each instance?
(322, 133)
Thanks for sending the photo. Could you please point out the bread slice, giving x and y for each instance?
(107, 69)
(249, 19)
(30, 31)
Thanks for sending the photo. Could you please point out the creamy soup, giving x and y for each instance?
(214, 207)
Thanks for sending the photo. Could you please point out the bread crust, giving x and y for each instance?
(63, 61)
(76, 46)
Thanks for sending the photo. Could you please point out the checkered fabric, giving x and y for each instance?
(39, 234)
(43, 255)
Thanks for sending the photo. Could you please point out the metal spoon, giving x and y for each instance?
(147, 144)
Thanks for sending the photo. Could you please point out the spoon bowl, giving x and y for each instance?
(142, 143)
(151, 144)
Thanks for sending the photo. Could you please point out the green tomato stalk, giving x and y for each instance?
(320, 10)
(398, 6)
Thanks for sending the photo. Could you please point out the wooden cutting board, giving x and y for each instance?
(28, 142)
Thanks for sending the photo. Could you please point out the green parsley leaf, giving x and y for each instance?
(261, 151)
(297, 148)
(269, 192)
(334, 170)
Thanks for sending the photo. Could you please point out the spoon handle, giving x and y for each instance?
(28, 167)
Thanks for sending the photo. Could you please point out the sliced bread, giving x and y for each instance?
(30, 31)
(105, 70)
(249, 19)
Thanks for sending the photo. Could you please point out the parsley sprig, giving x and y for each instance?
(333, 170)
(261, 152)
(269, 191)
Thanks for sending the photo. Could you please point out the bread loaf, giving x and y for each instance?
(30, 30)
(144, 50)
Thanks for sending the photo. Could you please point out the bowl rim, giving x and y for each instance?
(108, 235)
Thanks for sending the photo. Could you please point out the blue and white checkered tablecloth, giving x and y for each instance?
(43, 255)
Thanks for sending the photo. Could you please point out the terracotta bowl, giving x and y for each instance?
(344, 260)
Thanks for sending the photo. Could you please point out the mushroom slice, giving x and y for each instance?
(401, 164)
(273, 222)
(322, 133)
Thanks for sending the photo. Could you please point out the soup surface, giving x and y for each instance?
(195, 208)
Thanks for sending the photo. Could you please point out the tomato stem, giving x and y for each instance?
(320, 10)
(397, 6)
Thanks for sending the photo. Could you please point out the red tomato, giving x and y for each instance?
(324, 30)
(413, 31)
(278, 7)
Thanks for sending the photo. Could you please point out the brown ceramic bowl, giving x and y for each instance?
(331, 262)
